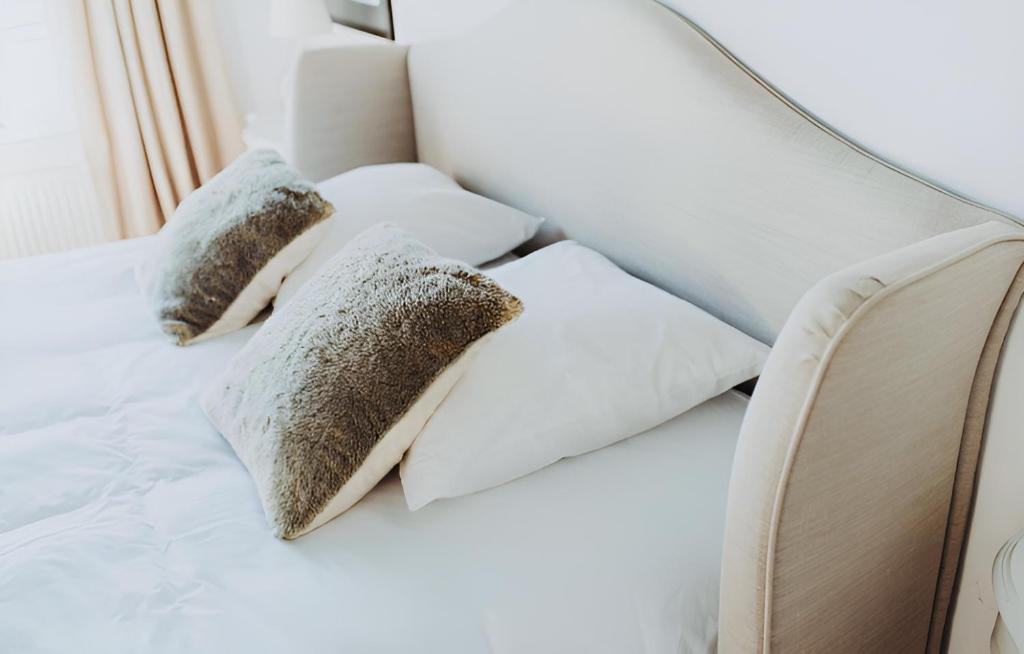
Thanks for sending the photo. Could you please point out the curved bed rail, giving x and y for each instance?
(855, 465)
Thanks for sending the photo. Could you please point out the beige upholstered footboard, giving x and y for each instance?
(855, 465)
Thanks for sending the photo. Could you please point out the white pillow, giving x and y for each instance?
(597, 356)
(421, 200)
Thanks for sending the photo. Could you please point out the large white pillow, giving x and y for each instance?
(421, 200)
(597, 356)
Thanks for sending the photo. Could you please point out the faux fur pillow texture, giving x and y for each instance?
(222, 256)
(328, 395)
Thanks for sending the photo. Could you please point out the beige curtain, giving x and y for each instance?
(157, 116)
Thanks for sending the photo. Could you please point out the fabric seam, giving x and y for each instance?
(796, 437)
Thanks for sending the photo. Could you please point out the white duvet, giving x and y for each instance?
(128, 525)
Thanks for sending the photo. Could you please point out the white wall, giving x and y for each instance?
(934, 85)
(256, 62)
(426, 20)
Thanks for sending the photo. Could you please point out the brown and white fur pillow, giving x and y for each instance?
(221, 258)
(333, 388)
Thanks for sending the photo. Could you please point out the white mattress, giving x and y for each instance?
(127, 524)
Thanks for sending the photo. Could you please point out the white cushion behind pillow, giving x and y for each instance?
(425, 202)
(597, 356)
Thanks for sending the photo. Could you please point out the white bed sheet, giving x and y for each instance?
(127, 524)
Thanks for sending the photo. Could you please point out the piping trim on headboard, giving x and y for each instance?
(829, 129)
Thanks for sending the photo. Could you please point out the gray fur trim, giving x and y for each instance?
(329, 374)
(221, 236)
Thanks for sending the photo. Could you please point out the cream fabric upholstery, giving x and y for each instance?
(348, 107)
(638, 136)
(841, 488)
(998, 511)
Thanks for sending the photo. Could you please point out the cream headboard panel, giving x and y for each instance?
(664, 154)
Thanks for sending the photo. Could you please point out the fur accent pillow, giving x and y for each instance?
(331, 391)
(222, 256)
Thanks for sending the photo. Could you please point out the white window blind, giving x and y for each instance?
(47, 198)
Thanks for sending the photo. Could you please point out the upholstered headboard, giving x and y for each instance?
(636, 135)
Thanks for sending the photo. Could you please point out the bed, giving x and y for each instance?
(129, 523)
(829, 515)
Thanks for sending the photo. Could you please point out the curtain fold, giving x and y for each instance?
(155, 109)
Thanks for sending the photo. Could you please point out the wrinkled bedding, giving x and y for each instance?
(128, 525)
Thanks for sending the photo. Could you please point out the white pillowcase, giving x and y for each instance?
(597, 356)
(421, 200)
